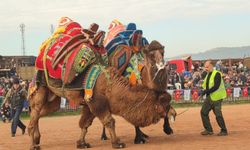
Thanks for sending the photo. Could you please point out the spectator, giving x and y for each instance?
(218, 65)
(240, 67)
(227, 83)
(16, 96)
(5, 112)
(176, 80)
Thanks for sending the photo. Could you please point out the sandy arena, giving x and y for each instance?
(61, 133)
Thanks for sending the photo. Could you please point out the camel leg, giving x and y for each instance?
(166, 127)
(140, 137)
(104, 136)
(100, 108)
(36, 104)
(109, 123)
(47, 108)
(85, 121)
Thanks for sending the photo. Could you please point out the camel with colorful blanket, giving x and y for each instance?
(73, 64)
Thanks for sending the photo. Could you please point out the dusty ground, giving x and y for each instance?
(61, 133)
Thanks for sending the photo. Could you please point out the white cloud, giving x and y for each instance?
(38, 13)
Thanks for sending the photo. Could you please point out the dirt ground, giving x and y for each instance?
(61, 133)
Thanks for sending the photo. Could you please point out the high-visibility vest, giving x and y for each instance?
(220, 93)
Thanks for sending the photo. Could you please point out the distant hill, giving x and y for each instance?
(220, 53)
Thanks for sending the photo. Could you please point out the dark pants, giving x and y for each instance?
(16, 120)
(207, 106)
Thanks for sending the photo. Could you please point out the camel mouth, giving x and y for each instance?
(160, 66)
(171, 114)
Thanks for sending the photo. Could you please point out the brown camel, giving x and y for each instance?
(154, 76)
(116, 97)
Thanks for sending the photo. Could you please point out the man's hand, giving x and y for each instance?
(203, 92)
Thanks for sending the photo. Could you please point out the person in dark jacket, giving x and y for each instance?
(15, 97)
(5, 112)
(215, 91)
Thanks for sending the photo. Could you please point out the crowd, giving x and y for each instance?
(236, 75)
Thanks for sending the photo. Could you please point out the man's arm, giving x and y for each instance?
(216, 86)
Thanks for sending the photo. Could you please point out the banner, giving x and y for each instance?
(195, 95)
(229, 91)
(63, 102)
(187, 94)
(236, 92)
(245, 91)
(177, 95)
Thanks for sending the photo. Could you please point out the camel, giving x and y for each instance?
(117, 97)
(148, 75)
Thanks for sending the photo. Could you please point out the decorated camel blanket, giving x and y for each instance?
(123, 44)
(69, 51)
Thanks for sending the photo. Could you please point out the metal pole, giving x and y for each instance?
(22, 26)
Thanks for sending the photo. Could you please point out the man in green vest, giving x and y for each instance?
(214, 89)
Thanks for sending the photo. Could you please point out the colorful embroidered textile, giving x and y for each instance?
(124, 45)
(70, 50)
(90, 80)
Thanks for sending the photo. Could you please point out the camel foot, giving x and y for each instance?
(140, 140)
(118, 145)
(168, 130)
(36, 147)
(104, 138)
(81, 145)
(37, 141)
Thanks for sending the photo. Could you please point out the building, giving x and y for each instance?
(9, 65)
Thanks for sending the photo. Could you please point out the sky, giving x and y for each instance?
(182, 26)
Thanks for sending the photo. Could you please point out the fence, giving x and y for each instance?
(178, 96)
(194, 95)
(183, 96)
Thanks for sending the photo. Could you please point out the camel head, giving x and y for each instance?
(155, 75)
(164, 108)
(166, 111)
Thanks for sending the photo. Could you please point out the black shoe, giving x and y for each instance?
(205, 132)
(23, 130)
(222, 133)
(13, 135)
